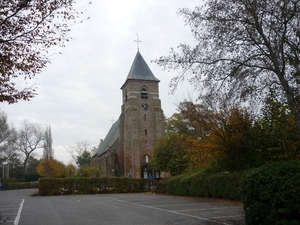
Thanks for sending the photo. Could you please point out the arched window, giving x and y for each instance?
(144, 93)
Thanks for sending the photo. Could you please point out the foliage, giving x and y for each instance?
(28, 30)
(206, 182)
(271, 194)
(70, 170)
(88, 171)
(32, 164)
(67, 186)
(11, 184)
(245, 49)
(48, 152)
(51, 168)
(30, 177)
(276, 134)
(170, 154)
(192, 120)
(186, 145)
(84, 159)
(80, 153)
(31, 173)
(232, 140)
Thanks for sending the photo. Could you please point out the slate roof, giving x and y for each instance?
(110, 138)
(140, 70)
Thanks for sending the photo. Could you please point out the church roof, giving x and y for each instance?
(110, 138)
(140, 70)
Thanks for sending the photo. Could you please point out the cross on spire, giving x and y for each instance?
(137, 41)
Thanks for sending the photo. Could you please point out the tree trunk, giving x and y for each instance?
(292, 102)
(294, 109)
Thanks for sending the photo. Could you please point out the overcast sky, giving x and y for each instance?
(79, 93)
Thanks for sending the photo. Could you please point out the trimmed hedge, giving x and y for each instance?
(204, 183)
(11, 184)
(68, 186)
(271, 194)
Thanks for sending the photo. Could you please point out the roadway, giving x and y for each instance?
(21, 208)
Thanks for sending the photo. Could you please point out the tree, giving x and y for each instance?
(28, 30)
(276, 132)
(31, 172)
(192, 120)
(81, 154)
(88, 171)
(28, 139)
(84, 159)
(232, 141)
(70, 170)
(170, 154)
(48, 152)
(51, 168)
(5, 137)
(245, 49)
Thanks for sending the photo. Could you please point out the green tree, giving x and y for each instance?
(80, 154)
(31, 173)
(170, 154)
(245, 49)
(28, 30)
(276, 133)
(84, 159)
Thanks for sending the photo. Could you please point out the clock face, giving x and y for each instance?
(145, 106)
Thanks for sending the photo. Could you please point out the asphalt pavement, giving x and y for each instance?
(20, 207)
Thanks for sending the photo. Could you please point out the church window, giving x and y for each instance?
(146, 132)
(144, 93)
(157, 174)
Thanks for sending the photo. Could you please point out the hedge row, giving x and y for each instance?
(271, 194)
(68, 186)
(10, 184)
(203, 184)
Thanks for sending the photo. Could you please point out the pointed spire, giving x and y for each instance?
(140, 70)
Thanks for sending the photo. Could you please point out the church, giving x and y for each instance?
(128, 146)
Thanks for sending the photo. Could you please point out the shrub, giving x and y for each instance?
(271, 194)
(204, 183)
(161, 186)
(11, 184)
(85, 185)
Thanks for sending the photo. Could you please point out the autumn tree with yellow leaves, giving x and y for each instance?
(229, 139)
(51, 168)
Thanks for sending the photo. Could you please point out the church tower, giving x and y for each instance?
(141, 119)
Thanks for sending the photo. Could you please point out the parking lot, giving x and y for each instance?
(113, 209)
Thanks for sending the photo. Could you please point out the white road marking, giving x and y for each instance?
(19, 213)
(170, 211)
(216, 217)
(217, 208)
